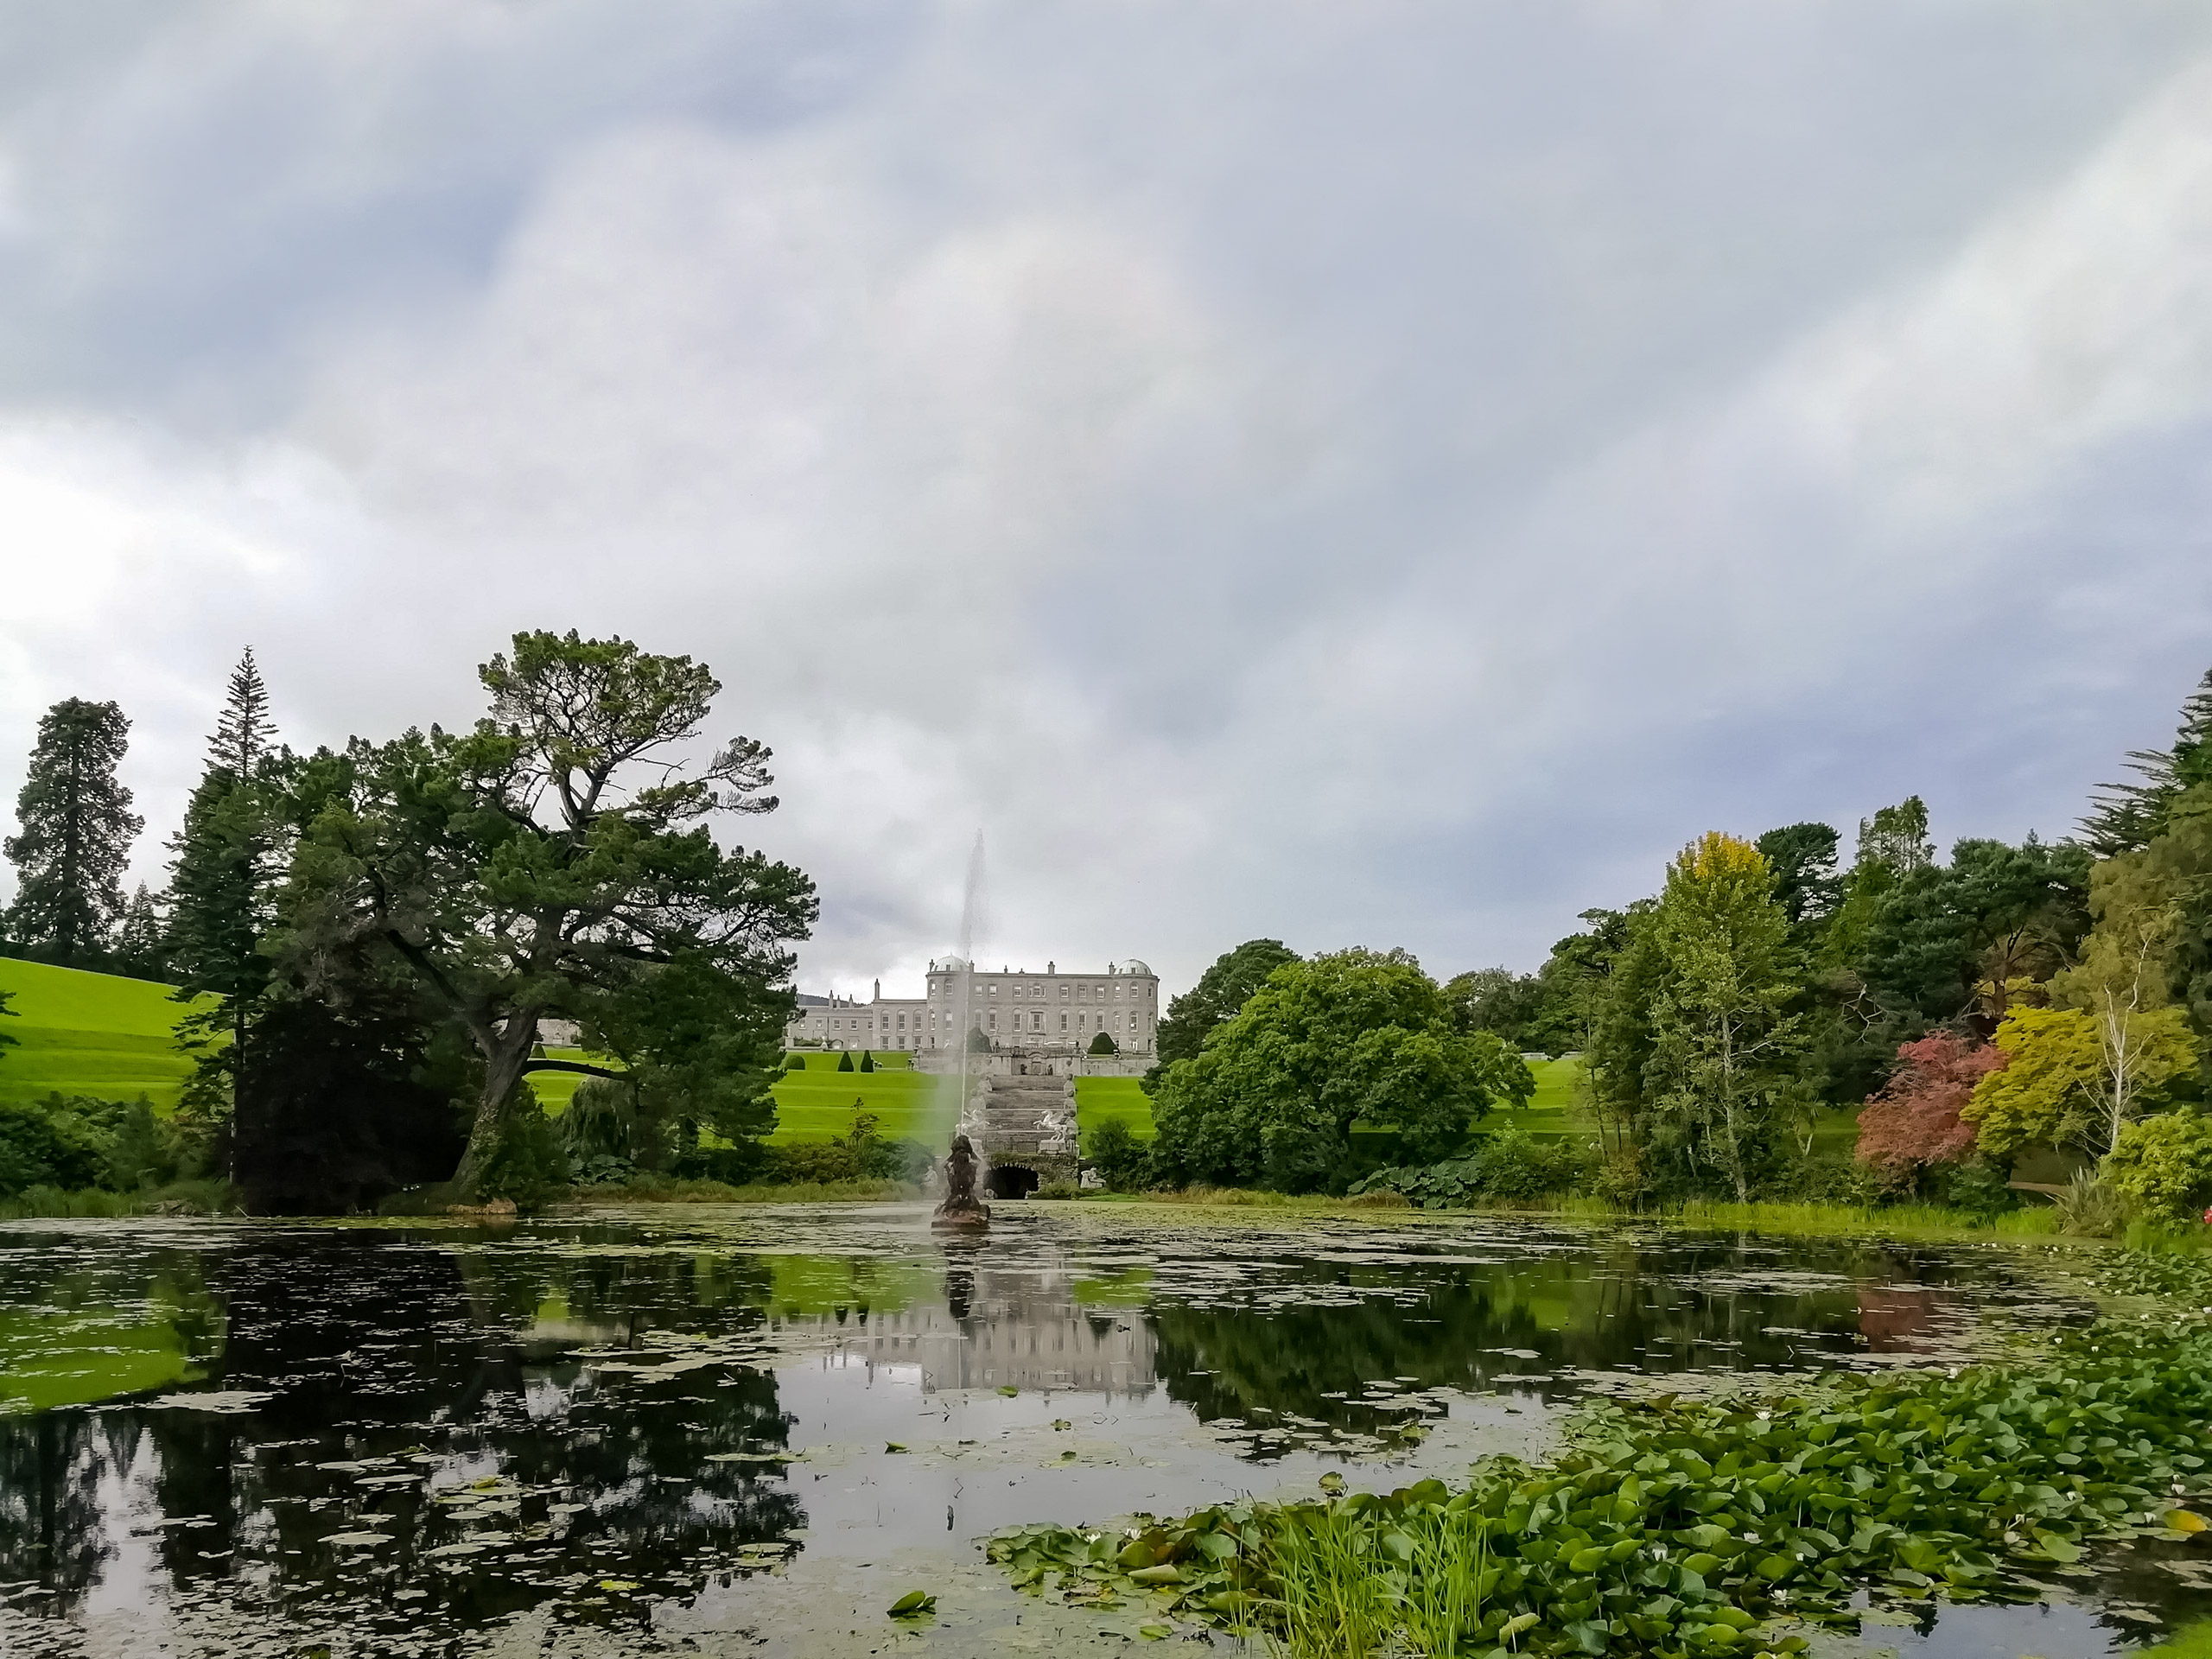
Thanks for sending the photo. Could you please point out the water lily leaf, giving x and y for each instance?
(1164, 1573)
(2184, 1520)
(1332, 1482)
(618, 1586)
(913, 1602)
(1155, 1632)
(895, 1446)
(1008, 1389)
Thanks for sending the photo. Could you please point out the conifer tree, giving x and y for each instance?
(141, 941)
(223, 883)
(2128, 818)
(243, 730)
(77, 828)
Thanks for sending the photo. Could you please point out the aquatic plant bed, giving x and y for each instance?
(1671, 1526)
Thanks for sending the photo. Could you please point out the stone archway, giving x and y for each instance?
(1010, 1181)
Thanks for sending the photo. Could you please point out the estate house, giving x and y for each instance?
(1012, 1008)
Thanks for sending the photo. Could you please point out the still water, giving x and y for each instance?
(749, 1430)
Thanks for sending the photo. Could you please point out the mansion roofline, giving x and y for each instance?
(1013, 1007)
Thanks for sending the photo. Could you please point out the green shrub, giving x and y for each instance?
(2162, 1165)
(529, 1165)
(1103, 1043)
(1119, 1157)
(1977, 1186)
(59, 1142)
(845, 1062)
(867, 1061)
(1508, 1165)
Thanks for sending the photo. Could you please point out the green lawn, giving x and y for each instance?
(89, 1034)
(1099, 1100)
(909, 1105)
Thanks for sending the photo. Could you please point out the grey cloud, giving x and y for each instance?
(1385, 475)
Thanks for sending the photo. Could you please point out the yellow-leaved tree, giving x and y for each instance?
(2077, 1079)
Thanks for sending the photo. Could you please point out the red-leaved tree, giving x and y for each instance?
(1911, 1123)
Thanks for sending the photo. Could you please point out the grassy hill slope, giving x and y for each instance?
(89, 1034)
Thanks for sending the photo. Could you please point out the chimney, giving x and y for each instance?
(878, 991)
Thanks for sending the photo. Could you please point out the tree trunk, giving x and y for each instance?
(505, 1054)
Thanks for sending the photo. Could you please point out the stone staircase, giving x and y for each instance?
(1029, 1122)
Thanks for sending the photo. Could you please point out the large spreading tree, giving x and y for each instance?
(555, 862)
(1354, 1036)
(1211, 1003)
(77, 828)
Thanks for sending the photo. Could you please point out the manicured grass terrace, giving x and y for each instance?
(83, 1033)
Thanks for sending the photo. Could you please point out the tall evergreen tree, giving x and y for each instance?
(243, 730)
(2128, 818)
(222, 879)
(140, 941)
(77, 830)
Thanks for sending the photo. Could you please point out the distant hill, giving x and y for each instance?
(89, 1034)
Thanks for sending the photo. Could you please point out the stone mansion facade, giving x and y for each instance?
(1052, 1012)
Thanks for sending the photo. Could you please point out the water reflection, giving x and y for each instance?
(397, 1434)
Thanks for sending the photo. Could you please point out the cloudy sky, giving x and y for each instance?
(1378, 473)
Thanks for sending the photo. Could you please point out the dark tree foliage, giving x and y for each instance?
(553, 861)
(1574, 979)
(1948, 940)
(342, 1107)
(142, 940)
(844, 1062)
(77, 831)
(1118, 1156)
(2126, 818)
(1103, 1043)
(227, 863)
(1221, 991)
(1802, 857)
(1497, 1000)
(1897, 837)
(244, 729)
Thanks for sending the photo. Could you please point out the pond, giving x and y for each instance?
(749, 1430)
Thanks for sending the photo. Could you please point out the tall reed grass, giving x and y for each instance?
(54, 1203)
(1355, 1584)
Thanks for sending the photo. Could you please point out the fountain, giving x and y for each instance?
(962, 1207)
(964, 1168)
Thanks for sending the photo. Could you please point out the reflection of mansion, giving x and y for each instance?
(1041, 1015)
(1023, 1331)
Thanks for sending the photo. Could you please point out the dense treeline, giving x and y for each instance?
(372, 938)
(2040, 1010)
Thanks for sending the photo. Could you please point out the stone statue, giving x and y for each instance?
(961, 1207)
